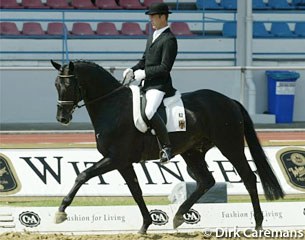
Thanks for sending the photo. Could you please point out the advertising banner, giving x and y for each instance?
(286, 216)
(52, 172)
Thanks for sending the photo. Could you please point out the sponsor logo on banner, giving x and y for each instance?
(52, 172)
(159, 217)
(292, 163)
(192, 217)
(9, 182)
(29, 219)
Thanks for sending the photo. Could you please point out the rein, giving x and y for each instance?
(101, 97)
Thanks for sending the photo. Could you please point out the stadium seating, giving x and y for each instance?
(181, 29)
(33, 4)
(82, 29)
(208, 4)
(107, 4)
(131, 29)
(131, 4)
(229, 29)
(299, 29)
(260, 31)
(9, 4)
(280, 4)
(107, 29)
(32, 29)
(58, 4)
(229, 4)
(147, 3)
(56, 29)
(148, 29)
(281, 29)
(83, 4)
(259, 5)
(298, 4)
(9, 28)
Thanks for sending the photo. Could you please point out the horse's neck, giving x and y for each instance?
(96, 84)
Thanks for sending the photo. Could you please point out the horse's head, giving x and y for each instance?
(68, 92)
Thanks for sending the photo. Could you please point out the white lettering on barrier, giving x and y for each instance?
(52, 172)
(118, 219)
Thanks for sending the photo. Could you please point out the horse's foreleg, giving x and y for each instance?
(205, 180)
(101, 167)
(131, 179)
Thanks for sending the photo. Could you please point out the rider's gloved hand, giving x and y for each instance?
(128, 73)
(139, 75)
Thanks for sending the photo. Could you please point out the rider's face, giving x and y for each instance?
(158, 21)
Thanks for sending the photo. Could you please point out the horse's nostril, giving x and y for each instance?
(62, 120)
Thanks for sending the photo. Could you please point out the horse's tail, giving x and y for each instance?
(271, 186)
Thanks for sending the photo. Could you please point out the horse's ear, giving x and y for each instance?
(56, 65)
(71, 66)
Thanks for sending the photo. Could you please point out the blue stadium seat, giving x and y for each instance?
(281, 29)
(299, 29)
(229, 4)
(298, 4)
(208, 4)
(259, 5)
(280, 4)
(229, 29)
(259, 30)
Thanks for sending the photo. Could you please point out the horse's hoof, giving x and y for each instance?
(178, 220)
(259, 228)
(60, 217)
(142, 231)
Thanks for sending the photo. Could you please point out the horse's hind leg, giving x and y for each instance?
(237, 157)
(101, 167)
(131, 179)
(195, 161)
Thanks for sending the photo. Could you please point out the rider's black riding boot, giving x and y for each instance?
(158, 125)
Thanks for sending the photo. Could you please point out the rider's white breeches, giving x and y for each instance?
(154, 98)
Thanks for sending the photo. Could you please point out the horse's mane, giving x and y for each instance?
(93, 64)
(97, 69)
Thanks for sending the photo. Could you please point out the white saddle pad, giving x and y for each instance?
(174, 111)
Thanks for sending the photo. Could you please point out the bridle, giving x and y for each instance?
(62, 103)
(76, 105)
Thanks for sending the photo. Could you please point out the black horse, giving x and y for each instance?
(212, 120)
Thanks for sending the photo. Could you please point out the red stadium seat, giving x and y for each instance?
(147, 3)
(9, 4)
(83, 4)
(59, 4)
(107, 29)
(132, 4)
(82, 29)
(107, 4)
(148, 29)
(56, 28)
(180, 29)
(131, 29)
(32, 28)
(33, 4)
(8, 28)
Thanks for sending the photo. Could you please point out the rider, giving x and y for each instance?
(154, 72)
